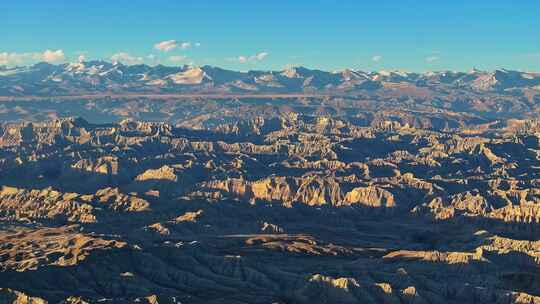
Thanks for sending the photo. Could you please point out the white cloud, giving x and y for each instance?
(126, 58)
(242, 59)
(177, 58)
(82, 57)
(253, 58)
(376, 58)
(432, 59)
(14, 58)
(24, 58)
(166, 45)
(51, 56)
(261, 56)
(169, 45)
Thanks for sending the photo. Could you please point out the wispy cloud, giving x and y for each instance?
(376, 58)
(23, 58)
(177, 58)
(169, 45)
(185, 45)
(127, 58)
(166, 45)
(431, 59)
(13, 58)
(253, 58)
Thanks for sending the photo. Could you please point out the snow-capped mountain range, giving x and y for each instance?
(92, 77)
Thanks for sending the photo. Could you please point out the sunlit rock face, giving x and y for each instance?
(389, 192)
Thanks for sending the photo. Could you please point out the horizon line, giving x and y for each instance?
(474, 69)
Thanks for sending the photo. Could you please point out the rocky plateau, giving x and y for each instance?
(138, 184)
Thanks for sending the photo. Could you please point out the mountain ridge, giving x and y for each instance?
(45, 79)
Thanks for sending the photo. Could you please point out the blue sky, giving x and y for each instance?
(262, 34)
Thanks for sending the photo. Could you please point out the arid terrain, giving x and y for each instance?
(138, 184)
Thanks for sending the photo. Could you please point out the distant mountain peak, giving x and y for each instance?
(97, 76)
